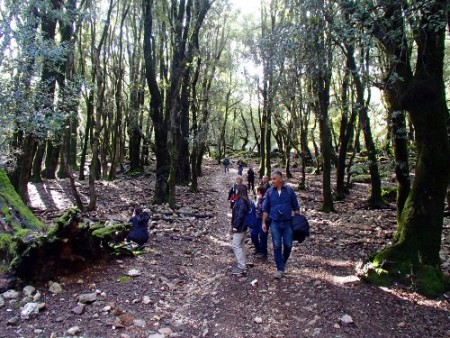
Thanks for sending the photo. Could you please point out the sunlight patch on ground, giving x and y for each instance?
(327, 277)
(44, 196)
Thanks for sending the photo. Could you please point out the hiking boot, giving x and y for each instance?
(279, 274)
(237, 271)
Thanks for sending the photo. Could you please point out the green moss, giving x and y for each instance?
(15, 213)
(109, 231)
(389, 194)
(124, 279)
(431, 281)
(365, 178)
(378, 276)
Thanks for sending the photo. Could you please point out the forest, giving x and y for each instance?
(106, 105)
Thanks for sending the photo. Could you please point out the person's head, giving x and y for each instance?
(242, 191)
(277, 179)
(239, 180)
(138, 210)
(261, 190)
(265, 179)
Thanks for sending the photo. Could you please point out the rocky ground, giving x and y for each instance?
(182, 285)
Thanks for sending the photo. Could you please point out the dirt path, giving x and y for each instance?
(186, 287)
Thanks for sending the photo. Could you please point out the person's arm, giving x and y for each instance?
(265, 209)
(294, 203)
(264, 221)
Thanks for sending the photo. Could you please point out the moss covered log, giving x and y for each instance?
(68, 246)
(33, 250)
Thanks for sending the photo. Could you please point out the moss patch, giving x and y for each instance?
(12, 209)
(431, 281)
(389, 194)
(361, 178)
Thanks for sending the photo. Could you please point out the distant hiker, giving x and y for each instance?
(265, 182)
(232, 194)
(226, 164)
(139, 231)
(259, 237)
(240, 165)
(279, 204)
(251, 179)
(239, 229)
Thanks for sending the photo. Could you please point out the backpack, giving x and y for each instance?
(250, 216)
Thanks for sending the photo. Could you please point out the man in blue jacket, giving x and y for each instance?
(279, 204)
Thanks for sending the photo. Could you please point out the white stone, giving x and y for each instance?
(73, 330)
(146, 300)
(29, 290)
(55, 288)
(29, 309)
(11, 294)
(139, 322)
(346, 319)
(37, 296)
(258, 320)
(166, 331)
(254, 282)
(156, 335)
(87, 297)
(134, 273)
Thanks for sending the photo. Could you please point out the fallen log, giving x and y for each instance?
(32, 250)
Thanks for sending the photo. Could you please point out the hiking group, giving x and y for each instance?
(276, 205)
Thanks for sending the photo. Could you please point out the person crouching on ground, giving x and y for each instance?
(239, 229)
(259, 237)
(279, 204)
(139, 230)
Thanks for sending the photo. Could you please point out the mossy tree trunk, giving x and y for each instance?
(419, 229)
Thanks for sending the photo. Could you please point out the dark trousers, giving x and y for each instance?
(259, 238)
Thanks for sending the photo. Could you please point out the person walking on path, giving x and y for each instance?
(265, 182)
(226, 164)
(251, 179)
(279, 204)
(232, 194)
(259, 237)
(239, 229)
(240, 165)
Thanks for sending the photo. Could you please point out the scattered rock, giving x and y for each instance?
(165, 331)
(29, 290)
(258, 320)
(29, 309)
(317, 332)
(401, 325)
(37, 296)
(134, 273)
(79, 309)
(55, 288)
(87, 298)
(254, 282)
(139, 322)
(156, 335)
(38, 331)
(346, 320)
(11, 294)
(337, 326)
(146, 300)
(12, 321)
(73, 330)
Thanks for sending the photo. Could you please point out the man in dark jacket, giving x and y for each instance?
(251, 179)
(279, 204)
